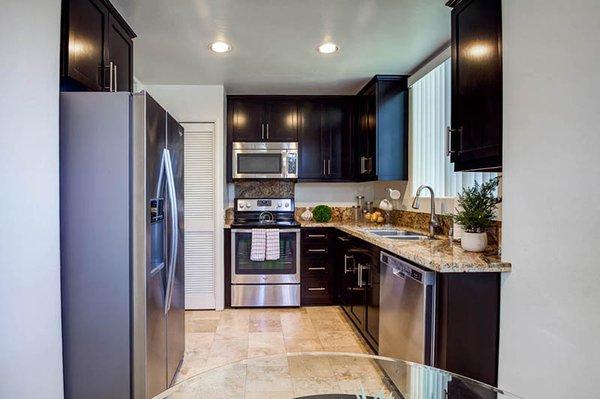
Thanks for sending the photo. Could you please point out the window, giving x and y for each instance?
(429, 116)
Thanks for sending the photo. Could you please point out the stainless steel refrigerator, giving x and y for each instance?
(122, 242)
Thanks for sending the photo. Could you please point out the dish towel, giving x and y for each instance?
(258, 250)
(272, 248)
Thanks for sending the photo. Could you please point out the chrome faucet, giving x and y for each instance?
(434, 223)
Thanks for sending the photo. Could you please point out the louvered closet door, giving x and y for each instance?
(200, 214)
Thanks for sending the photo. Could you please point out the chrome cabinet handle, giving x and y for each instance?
(344, 239)
(360, 269)
(317, 250)
(267, 131)
(115, 85)
(329, 166)
(317, 289)
(317, 236)
(110, 77)
(346, 258)
(324, 162)
(449, 131)
(262, 131)
(366, 165)
(316, 268)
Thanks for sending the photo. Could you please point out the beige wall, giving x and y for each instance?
(30, 323)
(550, 312)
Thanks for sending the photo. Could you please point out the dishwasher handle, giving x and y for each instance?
(403, 269)
(398, 273)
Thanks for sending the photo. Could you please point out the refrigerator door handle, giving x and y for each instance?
(174, 228)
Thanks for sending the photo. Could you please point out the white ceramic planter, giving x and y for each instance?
(473, 242)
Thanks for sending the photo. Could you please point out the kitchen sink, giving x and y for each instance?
(397, 234)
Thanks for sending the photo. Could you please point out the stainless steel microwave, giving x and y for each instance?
(264, 160)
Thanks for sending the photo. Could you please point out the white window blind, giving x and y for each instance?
(429, 115)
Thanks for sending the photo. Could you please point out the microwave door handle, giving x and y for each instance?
(284, 166)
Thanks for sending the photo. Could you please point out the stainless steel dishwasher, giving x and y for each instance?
(407, 311)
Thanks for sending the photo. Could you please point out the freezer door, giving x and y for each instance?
(156, 238)
(175, 301)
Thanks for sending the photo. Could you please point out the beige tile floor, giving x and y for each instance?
(215, 338)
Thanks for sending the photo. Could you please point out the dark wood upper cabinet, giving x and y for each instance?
(120, 53)
(246, 120)
(261, 118)
(336, 139)
(281, 120)
(96, 47)
(382, 129)
(338, 136)
(366, 134)
(325, 139)
(311, 165)
(476, 131)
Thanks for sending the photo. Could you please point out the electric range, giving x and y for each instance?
(269, 282)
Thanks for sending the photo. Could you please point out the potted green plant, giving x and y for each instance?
(322, 213)
(475, 213)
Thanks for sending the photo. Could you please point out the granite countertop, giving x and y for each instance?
(438, 255)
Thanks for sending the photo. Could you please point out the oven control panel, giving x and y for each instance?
(264, 204)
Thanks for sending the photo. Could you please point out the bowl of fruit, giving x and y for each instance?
(374, 217)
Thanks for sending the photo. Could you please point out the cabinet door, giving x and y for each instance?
(281, 120)
(358, 299)
(372, 297)
(246, 120)
(84, 47)
(335, 139)
(311, 162)
(344, 263)
(476, 85)
(120, 53)
(367, 134)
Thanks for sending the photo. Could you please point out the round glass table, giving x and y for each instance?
(325, 375)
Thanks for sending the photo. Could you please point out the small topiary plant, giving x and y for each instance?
(476, 206)
(322, 213)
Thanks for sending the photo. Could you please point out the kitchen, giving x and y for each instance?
(338, 201)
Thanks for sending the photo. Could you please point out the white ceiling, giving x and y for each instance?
(274, 42)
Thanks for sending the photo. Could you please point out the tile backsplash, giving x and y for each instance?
(264, 189)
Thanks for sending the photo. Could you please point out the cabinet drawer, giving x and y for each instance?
(315, 249)
(315, 267)
(315, 291)
(311, 235)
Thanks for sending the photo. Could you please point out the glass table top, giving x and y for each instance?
(325, 375)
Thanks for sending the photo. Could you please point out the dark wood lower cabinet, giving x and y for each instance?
(337, 268)
(357, 284)
(468, 323)
(316, 267)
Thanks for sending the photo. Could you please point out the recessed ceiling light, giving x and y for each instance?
(328, 48)
(220, 47)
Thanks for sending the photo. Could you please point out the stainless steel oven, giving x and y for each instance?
(264, 160)
(266, 283)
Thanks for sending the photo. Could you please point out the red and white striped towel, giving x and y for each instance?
(272, 248)
(259, 247)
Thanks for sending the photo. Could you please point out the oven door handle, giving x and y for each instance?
(281, 230)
